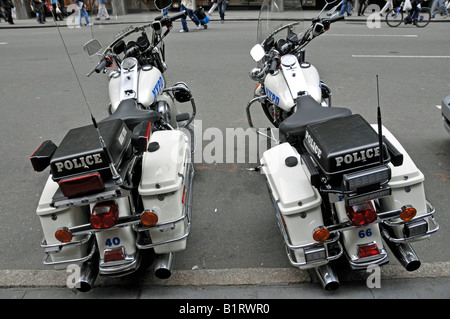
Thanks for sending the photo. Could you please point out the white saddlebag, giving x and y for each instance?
(54, 218)
(162, 188)
(406, 184)
(298, 202)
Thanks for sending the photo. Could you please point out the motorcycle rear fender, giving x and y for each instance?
(119, 237)
(298, 202)
(360, 236)
(407, 184)
(52, 219)
(163, 188)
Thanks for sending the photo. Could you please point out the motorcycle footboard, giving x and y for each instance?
(166, 190)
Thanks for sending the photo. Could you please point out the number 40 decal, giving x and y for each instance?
(365, 233)
(110, 242)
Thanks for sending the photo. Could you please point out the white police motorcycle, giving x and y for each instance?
(119, 194)
(340, 186)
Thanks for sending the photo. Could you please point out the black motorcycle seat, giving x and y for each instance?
(131, 114)
(309, 112)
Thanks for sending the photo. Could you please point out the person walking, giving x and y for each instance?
(7, 5)
(39, 7)
(82, 12)
(56, 16)
(362, 7)
(188, 6)
(102, 12)
(345, 8)
(439, 5)
(222, 7)
(387, 7)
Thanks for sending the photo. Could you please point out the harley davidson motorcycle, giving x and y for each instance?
(119, 194)
(340, 187)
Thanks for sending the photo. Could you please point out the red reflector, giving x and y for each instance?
(81, 185)
(104, 215)
(114, 254)
(362, 214)
(184, 195)
(367, 251)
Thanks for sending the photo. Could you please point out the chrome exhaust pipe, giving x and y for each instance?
(405, 254)
(88, 275)
(164, 265)
(327, 277)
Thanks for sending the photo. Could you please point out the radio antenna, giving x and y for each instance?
(115, 175)
(380, 133)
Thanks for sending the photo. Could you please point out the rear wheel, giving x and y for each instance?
(423, 18)
(394, 17)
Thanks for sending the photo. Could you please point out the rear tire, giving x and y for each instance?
(423, 18)
(394, 18)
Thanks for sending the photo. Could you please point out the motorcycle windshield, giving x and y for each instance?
(108, 24)
(278, 17)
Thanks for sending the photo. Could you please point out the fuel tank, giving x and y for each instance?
(144, 84)
(283, 87)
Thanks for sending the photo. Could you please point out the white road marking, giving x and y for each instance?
(375, 35)
(403, 56)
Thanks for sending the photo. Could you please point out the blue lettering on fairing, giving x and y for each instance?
(275, 99)
(158, 88)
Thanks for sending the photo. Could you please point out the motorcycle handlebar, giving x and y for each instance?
(105, 62)
(273, 67)
(166, 20)
(336, 18)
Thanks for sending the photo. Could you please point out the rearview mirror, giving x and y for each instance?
(162, 4)
(92, 47)
(257, 52)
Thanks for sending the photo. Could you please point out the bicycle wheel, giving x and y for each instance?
(423, 18)
(394, 17)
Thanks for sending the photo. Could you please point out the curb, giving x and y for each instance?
(215, 277)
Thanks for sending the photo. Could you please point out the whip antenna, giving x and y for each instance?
(115, 175)
(380, 133)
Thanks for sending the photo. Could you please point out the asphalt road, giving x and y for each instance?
(233, 223)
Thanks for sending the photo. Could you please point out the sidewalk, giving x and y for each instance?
(421, 288)
(231, 15)
(431, 281)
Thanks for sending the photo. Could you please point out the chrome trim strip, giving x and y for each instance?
(56, 248)
(433, 222)
(69, 261)
(291, 248)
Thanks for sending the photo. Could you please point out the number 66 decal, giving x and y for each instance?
(365, 233)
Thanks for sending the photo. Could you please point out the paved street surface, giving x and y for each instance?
(235, 248)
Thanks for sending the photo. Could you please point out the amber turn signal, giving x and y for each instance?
(149, 218)
(63, 235)
(408, 213)
(321, 234)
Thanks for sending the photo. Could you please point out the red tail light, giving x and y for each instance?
(81, 185)
(104, 215)
(114, 254)
(362, 214)
(368, 250)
